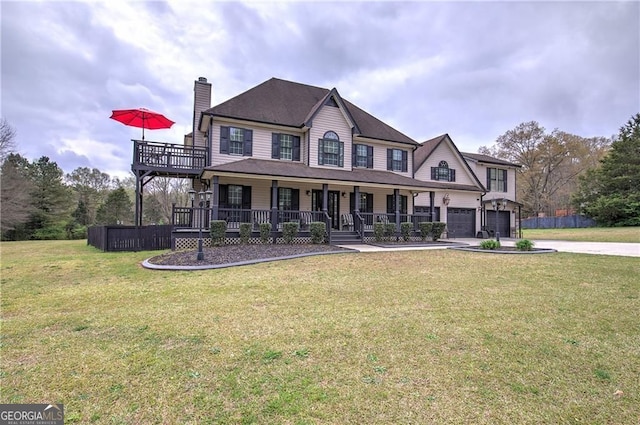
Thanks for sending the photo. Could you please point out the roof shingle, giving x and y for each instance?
(289, 104)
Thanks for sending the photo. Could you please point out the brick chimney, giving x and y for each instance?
(201, 102)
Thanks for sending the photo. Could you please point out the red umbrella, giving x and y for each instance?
(142, 117)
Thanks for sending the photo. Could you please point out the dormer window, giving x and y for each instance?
(443, 173)
(330, 150)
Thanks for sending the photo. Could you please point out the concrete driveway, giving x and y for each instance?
(600, 248)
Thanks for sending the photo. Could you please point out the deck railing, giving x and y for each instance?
(169, 155)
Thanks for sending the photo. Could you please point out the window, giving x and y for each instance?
(362, 156)
(284, 199)
(285, 146)
(391, 204)
(330, 150)
(366, 202)
(496, 180)
(443, 172)
(288, 199)
(397, 160)
(234, 196)
(236, 141)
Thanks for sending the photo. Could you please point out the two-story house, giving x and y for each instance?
(285, 151)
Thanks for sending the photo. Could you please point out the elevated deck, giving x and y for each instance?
(168, 159)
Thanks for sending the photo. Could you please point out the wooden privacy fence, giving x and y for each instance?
(568, 221)
(130, 238)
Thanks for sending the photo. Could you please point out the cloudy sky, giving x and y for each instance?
(470, 69)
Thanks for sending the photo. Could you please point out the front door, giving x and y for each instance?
(333, 207)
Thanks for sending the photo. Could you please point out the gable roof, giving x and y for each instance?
(292, 104)
(426, 148)
(421, 154)
(488, 159)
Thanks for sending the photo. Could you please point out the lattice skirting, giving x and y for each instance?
(184, 244)
(372, 239)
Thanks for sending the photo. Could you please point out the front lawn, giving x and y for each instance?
(589, 234)
(395, 337)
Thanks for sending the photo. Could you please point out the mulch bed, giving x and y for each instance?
(230, 254)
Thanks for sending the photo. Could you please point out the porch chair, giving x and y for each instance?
(347, 221)
(260, 217)
(382, 218)
(305, 220)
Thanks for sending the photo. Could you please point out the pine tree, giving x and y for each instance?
(611, 194)
(117, 209)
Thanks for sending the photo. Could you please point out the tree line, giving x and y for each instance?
(598, 177)
(39, 201)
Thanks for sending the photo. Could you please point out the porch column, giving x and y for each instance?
(396, 197)
(432, 208)
(215, 202)
(325, 198)
(274, 208)
(138, 201)
(356, 206)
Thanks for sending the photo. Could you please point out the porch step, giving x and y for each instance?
(345, 238)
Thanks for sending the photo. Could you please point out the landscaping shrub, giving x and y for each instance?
(318, 231)
(265, 232)
(290, 231)
(245, 232)
(490, 244)
(524, 245)
(389, 230)
(217, 229)
(405, 229)
(437, 230)
(425, 229)
(378, 231)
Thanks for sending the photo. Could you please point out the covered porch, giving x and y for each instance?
(260, 191)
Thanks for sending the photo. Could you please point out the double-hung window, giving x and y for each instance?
(362, 156)
(285, 199)
(496, 180)
(236, 141)
(234, 196)
(391, 204)
(397, 160)
(285, 146)
(443, 173)
(331, 150)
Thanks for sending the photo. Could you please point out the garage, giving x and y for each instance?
(504, 223)
(461, 222)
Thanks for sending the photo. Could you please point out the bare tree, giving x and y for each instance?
(167, 191)
(551, 163)
(7, 140)
(15, 194)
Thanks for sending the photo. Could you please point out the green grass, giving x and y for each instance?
(590, 234)
(398, 337)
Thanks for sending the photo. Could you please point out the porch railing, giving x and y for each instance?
(187, 217)
(169, 155)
